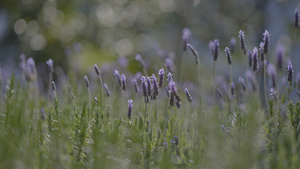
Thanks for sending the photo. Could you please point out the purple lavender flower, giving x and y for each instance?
(232, 44)
(296, 18)
(50, 65)
(169, 64)
(232, 88)
(161, 73)
(107, 91)
(170, 77)
(229, 59)
(130, 105)
(139, 58)
(174, 97)
(272, 73)
(123, 82)
(195, 53)
(255, 59)
(186, 34)
(188, 96)
(211, 46)
(250, 57)
(176, 140)
(290, 72)
(261, 51)
(242, 82)
(149, 86)
(118, 78)
(250, 76)
(155, 87)
(216, 49)
(242, 41)
(266, 41)
(136, 88)
(273, 94)
(280, 52)
(144, 86)
(97, 69)
(87, 82)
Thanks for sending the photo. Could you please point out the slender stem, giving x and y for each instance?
(181, 66)
(102, 90)
(145, 112)
(200, 83)
(214, 82)
(230, 75)
(49, 86)
(89, 92)
(294, 39)
(265, 84)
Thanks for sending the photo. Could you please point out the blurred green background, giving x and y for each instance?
(77, 34)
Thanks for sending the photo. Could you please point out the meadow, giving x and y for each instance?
(157, 118)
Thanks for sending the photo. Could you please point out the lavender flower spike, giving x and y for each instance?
(280, 52)
(97, 70)
(195, 53)
(296, 18)
(261, 51)
(161, 73)
(148, 86)
(107, 91)
(130, 105)
(188, 96)
(242, 82)
(50, 65)
(266, 41)
(87, 82)
(123, 81)
(290, 72)
(255, 59)
(117, 75)
(229, 59)
(272, 73)
(53, 85)
(135, 86)
(170, 77)
(250, 57)
(155, 87)
(242, 40)
(216, 49)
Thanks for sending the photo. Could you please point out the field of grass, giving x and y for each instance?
(105, 120)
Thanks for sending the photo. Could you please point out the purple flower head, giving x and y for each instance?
(232, 88)
(107, 91)
(175, 141)
(50, 65)
(139, 58)
(169, 64)
(229, 59)
(195, 53)
(273, 94)
(172, 86)
(271, 70)
(211, 46)
(155, 88)
(216, 49)
(255, 59)
(144, 86)
(136, 88)
(118, 78)
(242, 82)
(170, 77)
(250, 57)
(161, 73)
(242, 41)
(148, 86)
(232, 44)
(290, 72)
(123, 61)
(261, 51)
(130, 105)
(123, 81)
(97, 69)
(296, 18)
(186, 34)
(280, 52)
(266, 41)
(188, 96)
(87, 82)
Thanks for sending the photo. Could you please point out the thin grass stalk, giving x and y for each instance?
(181, 66)
(200, 84)
(265, 83)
